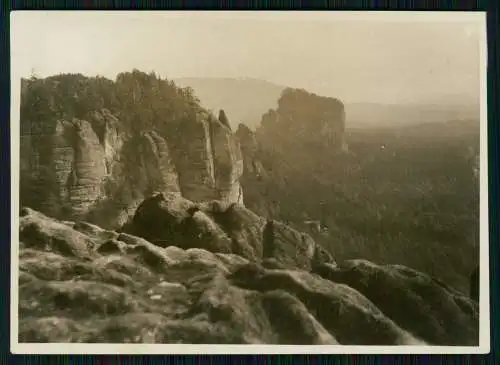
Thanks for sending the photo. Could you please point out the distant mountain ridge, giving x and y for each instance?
(245, 100)
(386, 115)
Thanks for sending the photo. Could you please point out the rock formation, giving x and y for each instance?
(208, 159)
(223, 118)
(81, 283)
(250, 151)
(99, 169)
(160, 171)
(63, 166)
(304, 134)
(304, 120)
(220, 227)
(255, 177)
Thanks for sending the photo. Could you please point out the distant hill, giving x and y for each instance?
(245, 100)
(360, 115)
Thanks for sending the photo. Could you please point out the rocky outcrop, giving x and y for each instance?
(91, 169)
(111, 136)
(63, 166)
(208, 159)
(302, 136)
(223, 118)
(423, 305)
(250, 148)
(304, 120)
(161, 172)
(228, 164)
(81, 283)
(168, 219)
(255, 178)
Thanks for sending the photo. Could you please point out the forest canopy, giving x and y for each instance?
(139, 100)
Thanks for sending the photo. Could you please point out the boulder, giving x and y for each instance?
(426, 307)
(341, 309)
(220, 227)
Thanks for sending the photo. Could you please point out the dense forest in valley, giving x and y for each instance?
(402, 195)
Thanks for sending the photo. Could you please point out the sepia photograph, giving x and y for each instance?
(249, 182)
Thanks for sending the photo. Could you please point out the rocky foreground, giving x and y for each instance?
(181, 272)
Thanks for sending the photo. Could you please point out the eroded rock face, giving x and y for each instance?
(225, 228)
(107, 128)
(255, 178)
(160, 169)
(208, 158)
(249, 149)
(228, 163)
(418, 302)
(81, 283)
(90, 169)
(63, 166)
(310, 118)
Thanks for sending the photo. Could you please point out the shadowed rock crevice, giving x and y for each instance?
(293, 321)
(474, 284)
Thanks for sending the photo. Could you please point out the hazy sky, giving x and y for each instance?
(389, 59)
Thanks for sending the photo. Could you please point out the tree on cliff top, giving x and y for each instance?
(141, 101)
(300, 105)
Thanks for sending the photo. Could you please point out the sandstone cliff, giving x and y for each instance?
(80, 162)
(250, 151)
(63, 166)
(305, 133)
(209, 160)
(255, 179)
(304, 121)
